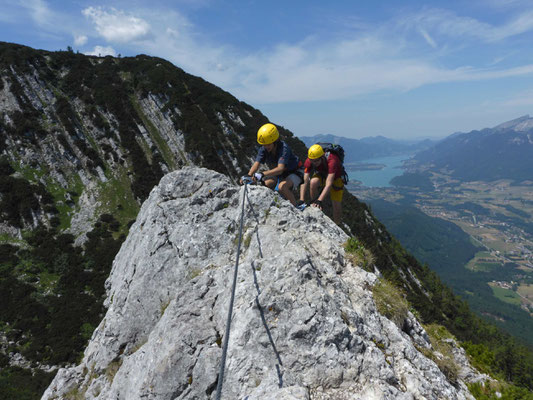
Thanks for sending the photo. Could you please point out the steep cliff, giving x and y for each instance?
(305, 324)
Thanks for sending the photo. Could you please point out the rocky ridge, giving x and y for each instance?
(522, 124)
(305, 324)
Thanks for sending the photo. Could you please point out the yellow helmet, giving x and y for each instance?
(267, 134)
(315, 151)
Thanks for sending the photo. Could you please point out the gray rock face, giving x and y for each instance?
(304, 326)
(521, 124)
(60, 152)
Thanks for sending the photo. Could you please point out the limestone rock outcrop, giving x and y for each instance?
(304, 326)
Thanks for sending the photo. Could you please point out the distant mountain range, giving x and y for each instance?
(502, 152)
(370, 147)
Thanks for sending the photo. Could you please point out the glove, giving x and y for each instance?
(259, 176)
(246, 179)
(318, 203)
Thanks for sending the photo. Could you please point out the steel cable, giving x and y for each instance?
(232, 299)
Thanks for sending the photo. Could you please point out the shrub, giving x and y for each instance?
(480, 355)
(498, 391)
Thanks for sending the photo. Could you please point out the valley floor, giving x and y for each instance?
(498, 216)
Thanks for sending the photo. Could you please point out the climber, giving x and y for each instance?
(282, 163)
(323, 170)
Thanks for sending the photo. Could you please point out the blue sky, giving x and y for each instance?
(401, 69)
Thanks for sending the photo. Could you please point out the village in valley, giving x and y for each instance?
(498, 216)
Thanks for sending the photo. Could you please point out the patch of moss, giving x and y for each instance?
(193, 273)
(357, 254)
(65, 199)
(442, 351)
(115, 197)
(47, 282)
(112, 369)
(390, 302)
(164, 306)
(247, 240)
(30, 174)
(8, 239)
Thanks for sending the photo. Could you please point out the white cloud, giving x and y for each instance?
(80, 40)
(40, 19)
(449, 24)
(101, 51)
(428, 38)
(521, 24)
(381, 59)
(384, 56)
(343, 70)
(39, 11)
(520, 99)
(117, 26)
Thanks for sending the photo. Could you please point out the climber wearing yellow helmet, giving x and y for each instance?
(323, 169)
(281, 161)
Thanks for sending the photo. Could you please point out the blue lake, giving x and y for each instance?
(382, 177)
